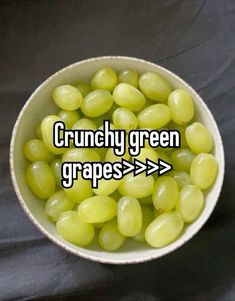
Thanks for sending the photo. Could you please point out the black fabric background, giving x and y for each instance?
(196, 40)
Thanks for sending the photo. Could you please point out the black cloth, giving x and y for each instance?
(194, 39)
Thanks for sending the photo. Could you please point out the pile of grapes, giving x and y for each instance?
(147, 209)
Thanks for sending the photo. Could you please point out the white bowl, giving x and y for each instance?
(39, 105)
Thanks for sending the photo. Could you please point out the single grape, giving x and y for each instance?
(74, 230)
(154, 117)
(67, 97)
(129, 216)
(182, 178)
(147, 217)
(164, 229)
(80, 155)
(125, 119)
(40, 179)
(56, 168)
(69, 117)
(35, 150)
(83, 87)
(130, 77)
(84, 124)
(203, 170)
(181, 159)
(106, 187)
(104, 78)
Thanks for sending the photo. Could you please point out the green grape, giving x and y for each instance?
(74, 230)
(154, 86)
(130, 77)
(154, 117)
(198, 138)
(125, 119)
(181, 106)
(69, 117)
(47, 133)
(111, 157)
(165, 193)
(83, 87)
(203, 170)
(104, 78)
(146, 201)
(181, 129)
(39, 132)
(106, 187)
(67, 97)
(164, 229)
(80, 190)
(110, 238)
(190, 203)
(56, 168)
(182, 178)
(96, 103)
(156, 212)
(81, 155)
(35, 150)
(181, 159)
(56, 204)
(84, 124)
(147, 217)
(129, 216)
(128, 97)
(138, 186)
(146, 153)
(40, 179)
(97, 209)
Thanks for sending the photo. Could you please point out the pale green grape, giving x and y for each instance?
(125, 119)
(154, 117)
(67, 97)
(181, 159)
(147, 217)
(56, 204)
(182, 178)
(130, 77)
(69, 117)
(165, 193)
(128, 97)
(138, 186)
(81, 155)
(146, 153)
(198, 138)
(96, 103)
(181, 106)
(74, 230)
(104, 78)
(106, 187)
(190, 203)
(40, 179)
(129, 216)
(110, 238)
(164, 229)
(154, 86)
(203, 170)
(56, 168)
(83, 87)
(84, 124)
(35, 150)
(97, 209)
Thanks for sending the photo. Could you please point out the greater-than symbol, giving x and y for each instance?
(166, 167)
(139, 167)
(153, 167)
(128, 166)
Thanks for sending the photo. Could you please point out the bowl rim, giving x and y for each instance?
(78, 252)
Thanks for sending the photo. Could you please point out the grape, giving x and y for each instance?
(74, 230)
(104, 78)
(154, 117)
(125, 119)
(164, 229)
(35, 150)
(85, 124)
(146, 153)
(190, 203)
(165, 193)
(40, 179)
(154, 86)
(110, 238)
(182, 178)
(56, 168)
(69, 117)
(147, 217)
(138, 186)
(83, 87)
(181, 159)
(80, 155)
(56, 204)
(111, 157)
(129, 216)
(97, 103)
(198, 138)
(111, 125)
(67, 97)
(203, 170)
(106, 187)
(181, 106)
(130, 77)
(97, 209)
(80, 190)
(128, 97)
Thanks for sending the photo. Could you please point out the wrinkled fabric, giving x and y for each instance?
(194, 39)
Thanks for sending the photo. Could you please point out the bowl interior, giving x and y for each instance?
(40, 105)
